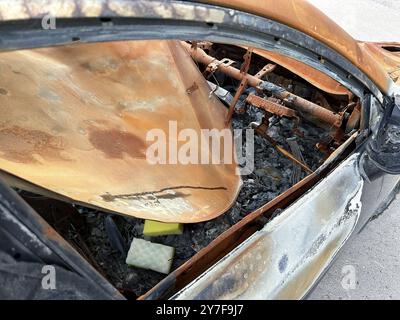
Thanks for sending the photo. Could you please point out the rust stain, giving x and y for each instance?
(115, 144)
(101, 66)
(313, 76)
(389, 60)
(192, 88)
(23, 145)
(48, 231)
(93, 105)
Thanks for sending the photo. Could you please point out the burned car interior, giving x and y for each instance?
(185, 150)
(72, 130)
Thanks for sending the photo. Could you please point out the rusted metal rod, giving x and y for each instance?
(243, 83)
(201, 56)
(239, 92)
(308, 109)
(270, 106)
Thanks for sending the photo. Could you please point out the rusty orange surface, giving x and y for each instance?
(298, 14)
(313, 76)
(75, 118)
(388, 59)
(304, 17)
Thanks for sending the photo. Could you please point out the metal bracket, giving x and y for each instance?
(214, 65)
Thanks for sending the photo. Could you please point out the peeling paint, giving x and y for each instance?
(293, 249)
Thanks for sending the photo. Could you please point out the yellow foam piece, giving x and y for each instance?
(155, 228)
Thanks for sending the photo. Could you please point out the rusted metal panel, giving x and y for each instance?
(313, 76)
(75, 119)
(294, 13)
(390, 60)
(297, 13)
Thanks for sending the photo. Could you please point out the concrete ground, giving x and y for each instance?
(368, 20)
(373, 256)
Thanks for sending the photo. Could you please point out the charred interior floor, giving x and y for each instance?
(284, 134)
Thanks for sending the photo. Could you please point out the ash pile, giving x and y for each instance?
(273, 174)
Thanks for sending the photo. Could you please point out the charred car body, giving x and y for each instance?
(84, 82)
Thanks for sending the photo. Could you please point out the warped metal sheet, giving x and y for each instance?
(293, 13)
(313, 76)
(285, 258)
(74, 121)
(389, 60)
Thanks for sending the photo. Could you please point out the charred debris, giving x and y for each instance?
(297, 126)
